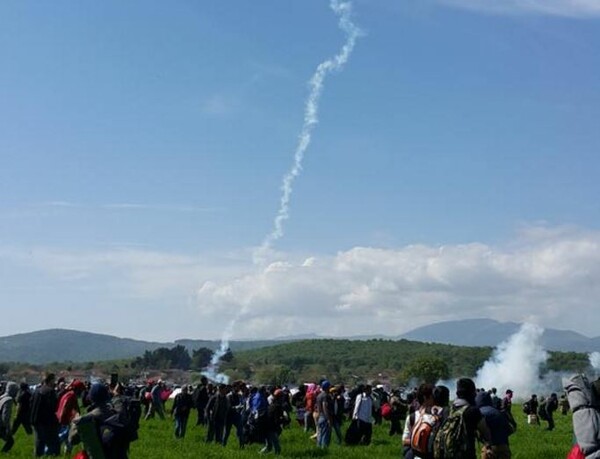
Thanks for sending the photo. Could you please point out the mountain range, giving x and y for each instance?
(59, 345)
(487, 332)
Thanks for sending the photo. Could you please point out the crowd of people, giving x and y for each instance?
(105, 418)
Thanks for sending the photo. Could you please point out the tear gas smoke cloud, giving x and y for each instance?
(516, 364)
(595, 361)
(344, 11)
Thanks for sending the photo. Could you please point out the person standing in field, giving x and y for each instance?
(43, 418)
(23, 417)
(324, 407)
(275, 418)
(500, 428)
(156, 402)
(68, 409)
(506, 407)
(182, 405)
(216, 413)
(6, 404)
(474, 421)
(337, 393)
(363, 412)
(551, 407)
(200, 396)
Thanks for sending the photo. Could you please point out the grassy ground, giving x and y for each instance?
(157, 442)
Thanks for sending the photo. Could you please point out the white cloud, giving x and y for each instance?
(549, 276)
(569, 8)
(134, 273)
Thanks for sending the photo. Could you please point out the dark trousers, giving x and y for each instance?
(216, 430)
(550, 420)
(271, 443)
(365, 431)
(233, 420)
(22, 421)
(9, 442)
(201, 418)
(46, 437)
(395, 427)
(180, 426)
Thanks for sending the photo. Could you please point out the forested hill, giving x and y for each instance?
(59, 345)
(348, 360)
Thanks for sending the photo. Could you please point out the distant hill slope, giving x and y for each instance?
(487, 332)
(58, 345)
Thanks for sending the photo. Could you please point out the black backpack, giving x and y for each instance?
(121, 428)
(542, 413)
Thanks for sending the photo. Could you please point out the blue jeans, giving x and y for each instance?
(323, 432)
(271, 443)
(308, 420)
(180, 426)
(337, 428)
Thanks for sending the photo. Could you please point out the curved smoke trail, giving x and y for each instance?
(344, 11)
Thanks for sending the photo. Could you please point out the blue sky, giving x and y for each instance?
(453, 172)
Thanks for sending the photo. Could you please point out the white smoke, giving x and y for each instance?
(212, 371)
(336, 63)
(595, 361)
(516, 364)
(344, 11)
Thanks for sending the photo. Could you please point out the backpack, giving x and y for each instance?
(542, 413)
(352, 436)
(4, 399)
(62, 413)
(575, 453)
(121, 428)
(424, 432)
(386, 411)
(451, 439)
(527, 408)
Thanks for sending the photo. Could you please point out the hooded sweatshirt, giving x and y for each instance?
(6, 404)
(496, 420)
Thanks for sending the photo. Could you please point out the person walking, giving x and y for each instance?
(182, 406)
(474, 421)
(551, 407)
(325, 408)
(216, 413)
(362, 414)
(7, 402)
(23, 416)
(499, 426)
(43, 418)
(275, 419)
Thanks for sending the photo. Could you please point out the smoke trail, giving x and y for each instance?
(595, 361)
(516, 363)
(212, 371)
(343, 10)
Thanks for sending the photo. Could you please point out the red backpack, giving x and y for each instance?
(64, 413)
(386, 411)
(424, 430)
(575, 453)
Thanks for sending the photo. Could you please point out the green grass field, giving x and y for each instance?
(157, 442)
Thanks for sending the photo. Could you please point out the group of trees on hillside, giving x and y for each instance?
(395, 362)
(178, 358)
